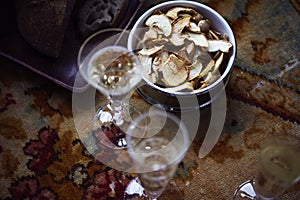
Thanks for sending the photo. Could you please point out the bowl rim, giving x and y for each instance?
(202, 6)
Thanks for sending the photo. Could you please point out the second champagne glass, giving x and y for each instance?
(161, 141)
(278, 170)
(111, 68)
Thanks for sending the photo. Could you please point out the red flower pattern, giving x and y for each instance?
(42, 150)
(28, 188)
(107, 186)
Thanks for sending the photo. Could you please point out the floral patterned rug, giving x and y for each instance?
(42, 156)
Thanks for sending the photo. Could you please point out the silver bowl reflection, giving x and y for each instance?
(184, 101)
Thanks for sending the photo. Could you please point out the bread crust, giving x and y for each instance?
(42, 23)
(95, 15)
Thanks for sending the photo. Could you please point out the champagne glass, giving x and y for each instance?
(162, 143)
(278, 170)
(112, 69)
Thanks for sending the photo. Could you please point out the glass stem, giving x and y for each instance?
(118, 110)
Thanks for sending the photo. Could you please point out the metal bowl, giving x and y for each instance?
(185, 101)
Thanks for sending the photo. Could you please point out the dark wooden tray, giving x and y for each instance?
(62, 70)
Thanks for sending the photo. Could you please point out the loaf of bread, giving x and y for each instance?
(42, 23)
(95, 15)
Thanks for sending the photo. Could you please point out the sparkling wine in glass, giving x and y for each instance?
(278, 170)
(162, 143)
(106, 64)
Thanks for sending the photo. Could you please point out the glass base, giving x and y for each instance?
(246, 191)
(111, 122)
(135, 191)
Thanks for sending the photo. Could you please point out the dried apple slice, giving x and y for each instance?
(218, 63)
(173, 13)
(207, 80)
(159, 60)
(150, 35)
(157, 42)
(162, 22)
(174, 71)
(219, 45)
(150, 51)
(190, 48)
(207, 69)
(177, 39)
(146, 63)
(194, 28)
(195, 69)
(179, 24)
(198, 39)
